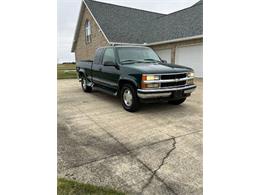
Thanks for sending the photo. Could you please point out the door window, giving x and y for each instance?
(109, 56)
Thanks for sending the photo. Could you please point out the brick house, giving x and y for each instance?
(176, 37)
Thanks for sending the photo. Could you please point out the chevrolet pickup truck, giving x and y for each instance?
(137, 75)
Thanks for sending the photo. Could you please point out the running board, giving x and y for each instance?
(105, 90)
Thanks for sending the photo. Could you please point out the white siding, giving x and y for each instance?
(165, 54)
(191, 56)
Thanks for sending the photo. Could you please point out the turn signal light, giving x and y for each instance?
(150, 85)
(190, 82)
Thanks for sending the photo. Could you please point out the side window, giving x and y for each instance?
(98, 56)
(109, 56)
(87, 32)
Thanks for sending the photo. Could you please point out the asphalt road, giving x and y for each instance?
(157, 150)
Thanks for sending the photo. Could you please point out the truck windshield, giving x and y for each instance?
(129, 55)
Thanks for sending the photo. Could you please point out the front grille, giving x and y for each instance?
(173, 76)
(173, 84)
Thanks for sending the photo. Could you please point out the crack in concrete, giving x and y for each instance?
(121, 153)
(186, 134)
(160, 165)
(157, 177)
(102, 128)
(128, 151)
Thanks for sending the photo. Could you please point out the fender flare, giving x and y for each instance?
(82, 71)
(128, 80)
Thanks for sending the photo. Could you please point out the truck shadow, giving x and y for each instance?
(155, 107)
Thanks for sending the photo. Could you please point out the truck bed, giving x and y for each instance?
(85, 66)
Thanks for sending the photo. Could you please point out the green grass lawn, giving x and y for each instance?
(69, 187)
(66, 66)
(66, 71)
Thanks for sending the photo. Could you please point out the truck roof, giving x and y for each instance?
(124, 46)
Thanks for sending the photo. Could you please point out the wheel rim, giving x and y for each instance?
(84, 84)
(128, 97)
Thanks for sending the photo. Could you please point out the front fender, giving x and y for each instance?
(129, 79)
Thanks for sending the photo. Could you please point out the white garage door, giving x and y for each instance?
(165, 54)
(191, 56)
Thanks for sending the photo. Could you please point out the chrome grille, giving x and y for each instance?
(173, 84)
(173, 76)
(171, 80)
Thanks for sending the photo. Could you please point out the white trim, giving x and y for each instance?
(76, 29)
(161, 42)
(96, 21)
(188, 45)
(175, 40)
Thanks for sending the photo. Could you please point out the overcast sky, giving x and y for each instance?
(68, 11)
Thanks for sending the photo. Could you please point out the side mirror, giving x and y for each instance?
(164, 61)
(109, 63)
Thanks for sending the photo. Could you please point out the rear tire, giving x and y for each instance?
(177, 102)
(129, 98)
(84, 85)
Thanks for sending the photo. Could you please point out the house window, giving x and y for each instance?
(87, 32)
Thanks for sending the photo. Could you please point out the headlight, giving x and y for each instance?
(190, 74)
(149, 77)
(191, 80)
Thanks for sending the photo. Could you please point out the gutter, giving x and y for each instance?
(174, 40)
(160, 42)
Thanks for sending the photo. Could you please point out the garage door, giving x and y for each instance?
(191, 56)
(165, 54)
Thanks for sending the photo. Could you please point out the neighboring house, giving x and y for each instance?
(176, 37)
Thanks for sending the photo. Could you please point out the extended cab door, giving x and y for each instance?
(109, 74)
(97, 66)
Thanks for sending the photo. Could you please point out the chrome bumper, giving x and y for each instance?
(163, 92)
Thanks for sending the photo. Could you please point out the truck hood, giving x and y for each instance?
(152, 68)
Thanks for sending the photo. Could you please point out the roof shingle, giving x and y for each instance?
(128, 25)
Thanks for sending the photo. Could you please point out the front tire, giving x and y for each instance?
(84, 85)
(177, 102)
(129, 98)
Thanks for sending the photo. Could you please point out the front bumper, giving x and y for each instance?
(182, 91)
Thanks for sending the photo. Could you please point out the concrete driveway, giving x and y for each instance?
(157, 150)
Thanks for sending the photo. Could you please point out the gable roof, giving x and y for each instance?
(199, 2)
(128, 25)
(184, 23)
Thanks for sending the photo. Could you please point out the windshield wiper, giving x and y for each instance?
(131, 61)
(153, 60)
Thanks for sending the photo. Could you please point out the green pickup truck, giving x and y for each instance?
(136, 74)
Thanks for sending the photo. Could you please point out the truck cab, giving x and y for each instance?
(137, 75)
